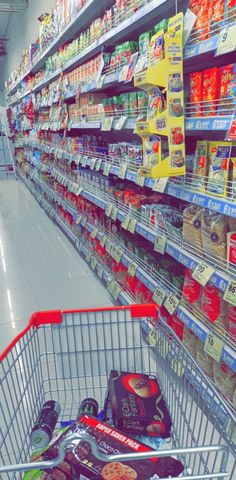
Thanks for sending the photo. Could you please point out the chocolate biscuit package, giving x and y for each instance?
(138, 405)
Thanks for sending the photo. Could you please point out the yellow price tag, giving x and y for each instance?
(178, 367)
(110, 286)
(213, 346)
(121, 123)
(118, 255)
(114, 213)
(108, 246)
(107, 169)
(122, 171)
(132, 269)
(160, 244)
(107, 124)
(152, 338)
(103, 241)
(203, 273)
(94, 233)
(125, 222)
(171, 303)
(132, 225)
(88, 256)
(160, 184)
(113, 252)
(159, 296)
(116, 291)
(108, 210)
(227, 41)
(100, 271)
(140, 180)
(230, 293)
(93, 263)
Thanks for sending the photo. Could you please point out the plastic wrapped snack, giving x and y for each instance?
(192, 222)
(214, 230)
(192, 290)
(204, 360)
(225, 380)
(213, 307)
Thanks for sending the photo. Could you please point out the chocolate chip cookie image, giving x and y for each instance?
(118, 471)
(141, 386)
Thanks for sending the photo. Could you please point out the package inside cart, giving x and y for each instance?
(128, 406)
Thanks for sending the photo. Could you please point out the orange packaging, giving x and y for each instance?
(201, 8)
(196, 93)
(210, 90)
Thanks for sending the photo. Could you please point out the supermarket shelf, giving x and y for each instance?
(181, 191)
(188, 319)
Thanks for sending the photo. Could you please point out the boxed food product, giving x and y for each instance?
(214, 231)
(210, 90)
(195, 94)
(192, 222)
(218, 171)
(227, 89)
(138, 405)
(200, 165)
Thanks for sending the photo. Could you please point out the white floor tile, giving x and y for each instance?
(39, 268)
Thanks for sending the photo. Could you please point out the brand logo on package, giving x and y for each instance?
(160, 123)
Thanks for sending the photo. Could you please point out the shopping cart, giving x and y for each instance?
(67, 356)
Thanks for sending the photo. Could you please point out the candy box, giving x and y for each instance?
(210, 90)
(195, 93)
(227, 89)
(138, 405)
(219, 157)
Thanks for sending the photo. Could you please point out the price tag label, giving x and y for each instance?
(107, 169)
(114, 213)
(132, 225)
(98, 164)
(160, 244)
(110, 286)
(122, 171)
(94, 233)
(88, 256)
(159, 296)
(108, 210)
(103, 241)
(160, 184)
(116, 291)
(113, 251)
(100, 271)
(118, 255)
(92, 163)
(230, 293)
(121, 123)
(203, 273)
(107, 124)
(125, 222)
(132, 269)
(108, 246)
(152, 338)
(84, 161)
(140, 180)
(78, 219)
(171, 303)
(213, 346)
(178, 367)
(93, 263)
(227, 41)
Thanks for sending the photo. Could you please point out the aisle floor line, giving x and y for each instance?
(39, 267)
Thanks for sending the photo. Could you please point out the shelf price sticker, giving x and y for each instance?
(78, 219)
(84, 221)
(103, 241)
(93, 263)
(100, 82)
(92, 163)
(108, 247)
(107, 169)
(125, 222)
(122, 171)
(227, 41)
(121, 123)
(94, 233)
(132, 269)
(88, 256)
(79, 190)
(171, 304)
(116, 290)
(160, 184)
(84, 161)
(118, 255)
(132, 225)
(108, 210)
(159, 296)
(100, 271)
(203, 273)
(214, 347)
(160, 244)
(230, 293)
(107, 124)
(140, 180)
(114, 213)
(98, 164)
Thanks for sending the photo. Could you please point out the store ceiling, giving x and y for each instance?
(10, 10)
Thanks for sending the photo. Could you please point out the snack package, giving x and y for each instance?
(225, 379)
(156, 50)
(80, 462)
(214, 229)
(213, 307)
(231, 250)
(195, 93)
(227, 89)
(192, 290)
(218, 171)
(210, 90)
(192, 222)
(200, 165)
(138, 405)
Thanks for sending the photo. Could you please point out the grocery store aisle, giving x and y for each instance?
(39, 268)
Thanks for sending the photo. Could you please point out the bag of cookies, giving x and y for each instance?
(192, 222)
(225, 379)
(214, 229)
(213, 307)
(204, 360)
(192, 290)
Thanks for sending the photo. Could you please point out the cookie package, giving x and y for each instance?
(138, 405)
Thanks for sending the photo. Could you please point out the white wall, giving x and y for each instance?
(24, 32)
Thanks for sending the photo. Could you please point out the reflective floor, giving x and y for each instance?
(39, 268)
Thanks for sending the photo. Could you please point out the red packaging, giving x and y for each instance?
(192, 290)
(231, 313)
(210, 90)
(196, 93)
